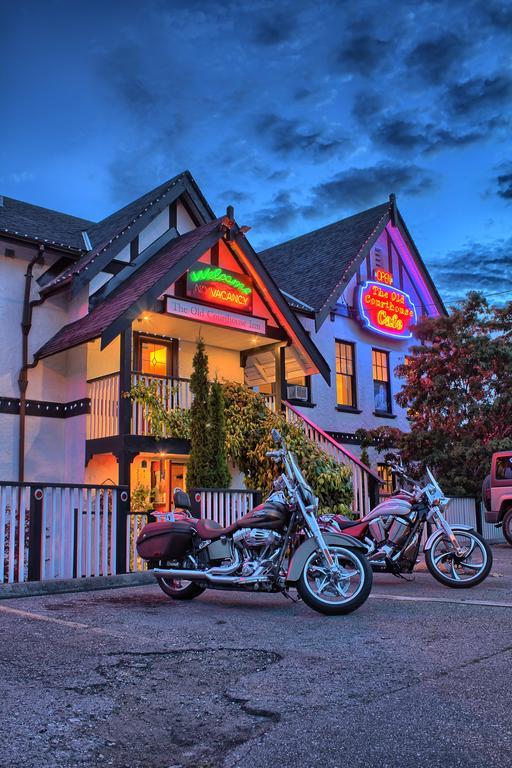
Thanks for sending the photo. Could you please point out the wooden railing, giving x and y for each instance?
(362, 476)
(172, 392)
(57, 531)
(103, 419)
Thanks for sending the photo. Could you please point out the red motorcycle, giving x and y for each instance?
(456, 555)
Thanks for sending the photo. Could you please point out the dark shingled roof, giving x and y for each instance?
(129, 292)
(42, 224)
(310, 267)
(102, 234)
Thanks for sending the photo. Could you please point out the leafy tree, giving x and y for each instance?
(458, 393)
(199, 468)
(219, 471)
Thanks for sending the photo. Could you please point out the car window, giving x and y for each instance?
(504, 468)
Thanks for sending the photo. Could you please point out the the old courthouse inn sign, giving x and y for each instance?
(385, 309)
(214, 285)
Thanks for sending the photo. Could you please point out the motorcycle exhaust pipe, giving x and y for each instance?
(212, 578)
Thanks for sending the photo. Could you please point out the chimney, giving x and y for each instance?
(230, 212)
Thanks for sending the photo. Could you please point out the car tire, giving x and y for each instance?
(507, 526)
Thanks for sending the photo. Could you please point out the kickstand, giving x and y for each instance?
(289, 597)
(393, 568)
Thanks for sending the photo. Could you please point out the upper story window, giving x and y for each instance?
(154, 356)
(381, 381)
(345, 375)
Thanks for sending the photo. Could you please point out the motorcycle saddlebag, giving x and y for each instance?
(164, 541)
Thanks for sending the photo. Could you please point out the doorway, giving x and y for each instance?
(160, 476)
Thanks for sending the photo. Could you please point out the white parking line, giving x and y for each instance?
(419, 599)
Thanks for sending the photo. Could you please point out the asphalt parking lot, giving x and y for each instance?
(129, 678)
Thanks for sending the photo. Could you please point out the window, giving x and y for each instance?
(381, 383)
(345, 375)
(504, 468)
(155, 357)
(385, 474)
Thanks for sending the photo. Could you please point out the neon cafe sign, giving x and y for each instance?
(214, 285)
(384, 309)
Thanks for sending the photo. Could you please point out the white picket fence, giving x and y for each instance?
(464, 509)
(56, 531)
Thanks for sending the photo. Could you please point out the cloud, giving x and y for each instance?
(401, 134)
(363, 54)
(368, 186)
(504, 182)
(278, 216)
(433, 59)
(275, 29)
(477, 266)
(479, 95)
(287, 136)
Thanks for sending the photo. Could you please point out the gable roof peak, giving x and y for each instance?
(313, 266)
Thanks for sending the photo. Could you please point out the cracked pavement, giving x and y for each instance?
(129, 678)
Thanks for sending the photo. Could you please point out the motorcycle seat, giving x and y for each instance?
(209, 529)
(347, 523)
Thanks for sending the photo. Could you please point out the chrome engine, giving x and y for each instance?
(256, 546)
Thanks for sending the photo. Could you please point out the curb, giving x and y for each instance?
(86, 584)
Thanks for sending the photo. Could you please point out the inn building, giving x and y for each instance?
(316, 324)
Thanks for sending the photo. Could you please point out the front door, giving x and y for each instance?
(165, 476)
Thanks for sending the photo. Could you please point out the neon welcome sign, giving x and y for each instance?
(215, 285)
(386, 310)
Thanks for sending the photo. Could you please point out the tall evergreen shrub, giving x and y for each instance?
(199, 471)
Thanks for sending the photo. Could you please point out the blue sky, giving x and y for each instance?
(298, 113)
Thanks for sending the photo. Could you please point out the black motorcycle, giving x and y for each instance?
(276, 546)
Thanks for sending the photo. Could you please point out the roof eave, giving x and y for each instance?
(323, 311)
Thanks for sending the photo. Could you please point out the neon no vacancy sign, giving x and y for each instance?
(214, 285)
(386, 310)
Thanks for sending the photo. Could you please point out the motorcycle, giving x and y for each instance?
(275, 546)
(456, 555)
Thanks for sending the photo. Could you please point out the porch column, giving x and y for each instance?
(280, 367)
(125, 382)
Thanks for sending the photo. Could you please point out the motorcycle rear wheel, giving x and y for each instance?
(179, 590)
(332, 600)
(457, 573)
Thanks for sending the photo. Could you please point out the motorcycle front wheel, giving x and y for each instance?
(466, 570)
(342, 594)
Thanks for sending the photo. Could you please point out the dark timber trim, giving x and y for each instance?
(46, 408)
(145, 301)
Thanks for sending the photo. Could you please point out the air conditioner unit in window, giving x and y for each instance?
(295, 392)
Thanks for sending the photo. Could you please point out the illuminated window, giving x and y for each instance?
(345, 375)
(381, 383)
(385, 474)
(154, 358)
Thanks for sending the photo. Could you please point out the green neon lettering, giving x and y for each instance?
(218, 275)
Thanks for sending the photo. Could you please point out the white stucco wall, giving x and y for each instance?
(154, 229)
(223, 363)
(325, 413)
(183, 219)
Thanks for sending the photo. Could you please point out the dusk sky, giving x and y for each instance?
(297, 113)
